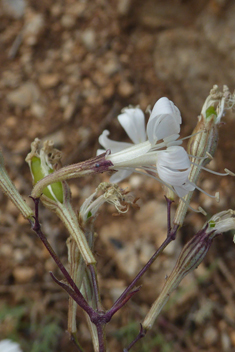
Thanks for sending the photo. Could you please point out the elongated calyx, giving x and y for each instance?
(203, 143)
(191, 256)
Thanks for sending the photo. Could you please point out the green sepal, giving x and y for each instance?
(56, 187)
(211, 224)
(89, 215)
(210, 111)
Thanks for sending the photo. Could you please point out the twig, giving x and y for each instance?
(115, 308)
(140, 335)
(169, 238)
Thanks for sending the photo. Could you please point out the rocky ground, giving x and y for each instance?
(67, 68)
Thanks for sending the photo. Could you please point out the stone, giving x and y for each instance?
(192, 69)
(24, 96)
(225, 342)
(125, 89)
(109, 64)
(210, 335)
(76, 9)
(127, 259)
(68, 21)
(123, 7)
(49, 80)
(37, 110)
(152, 217)
(23, 275)
(34, 26)
(69, 111)
(14, 8)
(219, 30)
(89, 39)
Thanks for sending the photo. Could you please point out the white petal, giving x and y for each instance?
(173, 177)
(169, 164)
(184, 189)
(119, 176)
(112, 145)
(174, 157)
(100, 151)
(164, 121)
(9, 346)
(133, 122)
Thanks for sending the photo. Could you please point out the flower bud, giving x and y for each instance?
(43, 162)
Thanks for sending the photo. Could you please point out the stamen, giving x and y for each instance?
(198, 210)
(191, 135)
(150, 171)
(201, 190)
(196, 157)
(209, 155)
(229, 172)
(201, 210)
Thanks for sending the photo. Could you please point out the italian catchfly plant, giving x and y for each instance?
(155, 151)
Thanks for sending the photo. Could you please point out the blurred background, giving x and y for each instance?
(67, 68)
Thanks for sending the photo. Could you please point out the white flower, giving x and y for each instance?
(221, 222)
(154, 150)
(9, 346)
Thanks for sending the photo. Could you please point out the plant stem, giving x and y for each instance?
(37, 228)
(101, 337)
(169, 202)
